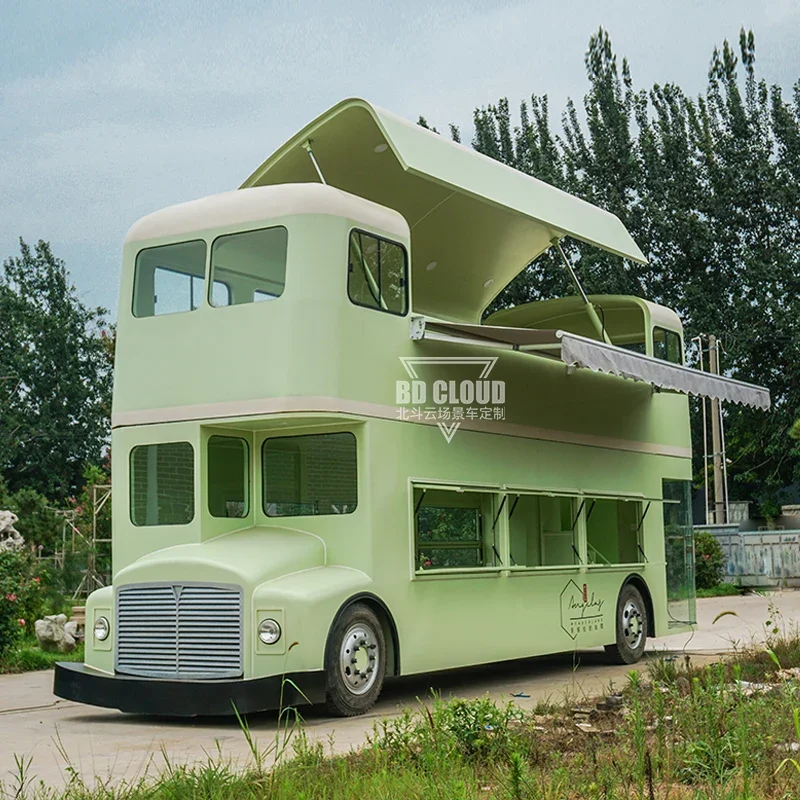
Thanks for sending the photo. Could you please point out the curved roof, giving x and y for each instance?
(475, 223)
(546, 313)
(268, 202)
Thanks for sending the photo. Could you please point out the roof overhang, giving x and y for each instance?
(580, 352)
(475, 223)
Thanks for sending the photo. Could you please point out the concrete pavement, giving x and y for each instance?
(108, 745)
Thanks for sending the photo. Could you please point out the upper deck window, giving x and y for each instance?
(310, 475)
(169, 279)
(667, 345)
(377, 273)
(252, 264)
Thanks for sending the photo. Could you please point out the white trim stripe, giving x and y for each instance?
(338, 405)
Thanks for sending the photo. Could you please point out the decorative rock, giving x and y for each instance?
(10, 538)
(72, 629)
(52, 634)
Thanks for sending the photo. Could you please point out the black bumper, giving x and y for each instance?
(174, 698)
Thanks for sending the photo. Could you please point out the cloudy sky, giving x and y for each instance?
(111, 110)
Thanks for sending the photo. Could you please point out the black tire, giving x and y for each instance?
(355, 662)
(632, 627)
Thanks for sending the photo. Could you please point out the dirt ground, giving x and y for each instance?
(108, 745)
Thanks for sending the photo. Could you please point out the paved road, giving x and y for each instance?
(57, 734)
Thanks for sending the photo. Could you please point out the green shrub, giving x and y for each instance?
(709, 560)
(21, 597)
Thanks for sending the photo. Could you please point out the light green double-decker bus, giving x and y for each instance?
(329, 468)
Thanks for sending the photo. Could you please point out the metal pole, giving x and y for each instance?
(716, 439)
(313, 158)
(699, 340)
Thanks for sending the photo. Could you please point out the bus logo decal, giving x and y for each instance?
(581, 611)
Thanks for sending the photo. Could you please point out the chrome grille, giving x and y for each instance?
(179, 630)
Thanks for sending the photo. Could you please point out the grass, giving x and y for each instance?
(29, 657)
(678, 732)
(722, 590)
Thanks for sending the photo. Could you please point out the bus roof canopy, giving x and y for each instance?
(475, 223)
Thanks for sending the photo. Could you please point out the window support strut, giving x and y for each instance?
(494, 529)
(307, 148)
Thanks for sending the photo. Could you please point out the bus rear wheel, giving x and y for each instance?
(631, 627)
(355, 662)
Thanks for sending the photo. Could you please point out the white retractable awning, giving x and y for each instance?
(578, 351)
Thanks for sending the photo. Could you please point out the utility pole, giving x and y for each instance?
(716, 437)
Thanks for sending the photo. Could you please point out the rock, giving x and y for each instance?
(52, 635)
(72, 628)
(10, 538)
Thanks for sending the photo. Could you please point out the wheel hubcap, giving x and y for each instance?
(632, 624)
(359, 658)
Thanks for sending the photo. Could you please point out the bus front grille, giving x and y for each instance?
(179, 631)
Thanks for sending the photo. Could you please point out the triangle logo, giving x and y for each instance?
(448, 431)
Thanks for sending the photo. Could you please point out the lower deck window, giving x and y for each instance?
(454, 530)
(162, 484)
(228, 471)
(310, 475)
(542, 530)
(612, 531)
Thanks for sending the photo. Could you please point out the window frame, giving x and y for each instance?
(248, 484)
(406, 282)
(252, 301)
(667, 333)
(134, 292)
(191, 519)
(263, 474)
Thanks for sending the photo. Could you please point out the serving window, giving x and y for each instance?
(543, 530)
(613, 531)
(455, 529)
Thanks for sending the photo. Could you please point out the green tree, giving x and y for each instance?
(55, 376)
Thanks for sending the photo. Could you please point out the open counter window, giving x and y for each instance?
(455, 529)
(310, 475)
(377, 273)
(228, 476)
(543, 530)
(162, 484)
(613, 531)
(252, 264)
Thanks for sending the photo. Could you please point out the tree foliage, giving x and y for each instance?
(55, 376)
(709, 187)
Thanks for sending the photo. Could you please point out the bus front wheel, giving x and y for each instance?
(631, 627)
(355, 662)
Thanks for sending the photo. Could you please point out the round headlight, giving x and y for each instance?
(269, 631)
(101, 629)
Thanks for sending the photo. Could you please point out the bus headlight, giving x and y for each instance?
(269, 631)
(101, 629)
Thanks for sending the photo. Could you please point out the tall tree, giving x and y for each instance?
(710, 189)
(55, 376)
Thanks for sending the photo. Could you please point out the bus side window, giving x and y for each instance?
(169, 279)
(377, 273)
(667, 346)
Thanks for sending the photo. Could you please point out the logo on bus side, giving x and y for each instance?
(581, 611)
(448, 403)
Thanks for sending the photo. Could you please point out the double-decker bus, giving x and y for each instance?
(329, 468)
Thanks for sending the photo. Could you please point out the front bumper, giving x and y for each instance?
(176, 698)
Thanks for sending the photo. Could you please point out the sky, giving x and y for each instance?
(109, 111)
